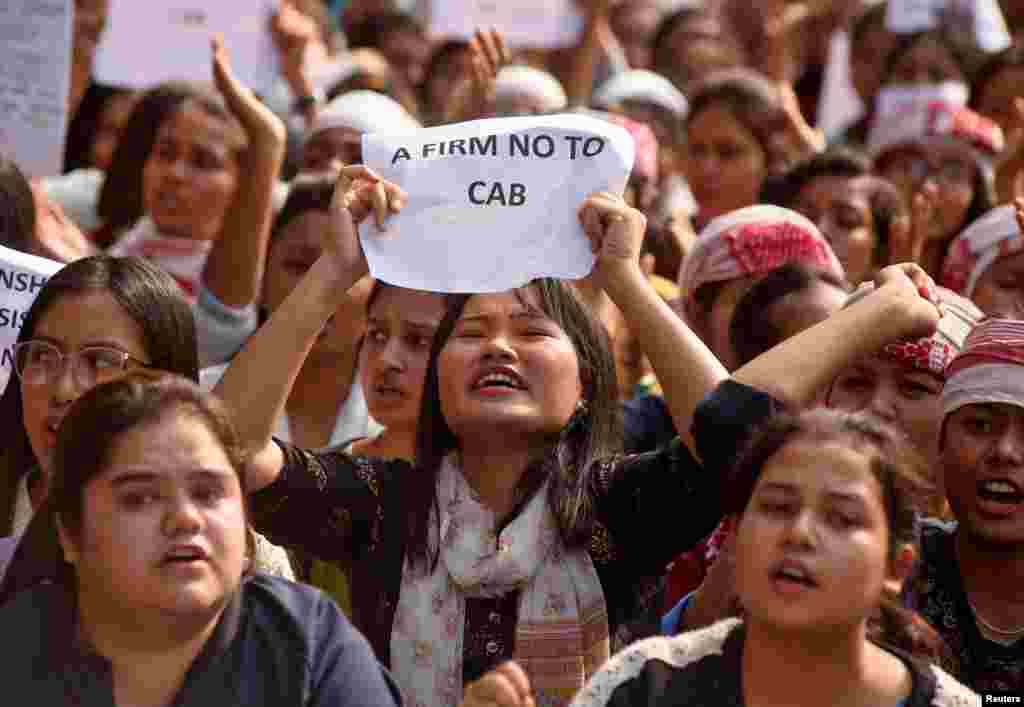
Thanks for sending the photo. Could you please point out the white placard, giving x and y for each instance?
(21, 278)
(492, 203)
(523, 23)
(35, 71)
(150, 41)
(983, 19)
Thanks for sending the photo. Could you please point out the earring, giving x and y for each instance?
(581, 406)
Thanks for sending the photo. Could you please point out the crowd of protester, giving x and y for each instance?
(770, 451)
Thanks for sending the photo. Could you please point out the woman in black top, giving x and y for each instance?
(519, 532)
(151, 602)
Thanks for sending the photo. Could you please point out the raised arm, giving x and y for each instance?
(685, 367)
(234, 267)
(257, 384)
(904, 306)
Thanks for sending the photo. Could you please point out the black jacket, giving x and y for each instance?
(277, 644)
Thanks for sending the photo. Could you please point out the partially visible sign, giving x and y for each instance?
(35, 77)
(150, 41)
(492, 203)
(982, 19)
(22, 276)
(523, 23)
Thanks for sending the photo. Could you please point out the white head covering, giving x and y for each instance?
(643, 86)
(525, 80)
(365, 112)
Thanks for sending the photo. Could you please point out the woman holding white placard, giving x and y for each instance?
(519, 532)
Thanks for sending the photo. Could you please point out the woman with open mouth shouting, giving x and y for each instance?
(825, 502)
(519, 532)
(150, 596)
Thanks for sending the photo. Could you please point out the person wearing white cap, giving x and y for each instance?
(524, 90)
(336, 133)
(646, 97)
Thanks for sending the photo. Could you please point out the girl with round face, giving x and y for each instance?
(826, 527)
(94, 320)
(148, 503)
(393, 359)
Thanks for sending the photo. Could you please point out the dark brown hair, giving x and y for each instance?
(591, 435)
(901, 472)
(120, 201)
(148, 295)
(85, 442)
(749, 98)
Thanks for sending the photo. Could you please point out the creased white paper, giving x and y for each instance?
(492, 203)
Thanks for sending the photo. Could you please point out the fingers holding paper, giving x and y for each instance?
(358, 193)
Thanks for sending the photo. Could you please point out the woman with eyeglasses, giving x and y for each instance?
(93, 320)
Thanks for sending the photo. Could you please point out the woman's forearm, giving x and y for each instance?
(234, 268)
(686, 369)
(257, 384)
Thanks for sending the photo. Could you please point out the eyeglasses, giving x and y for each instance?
(949, 172)
(42, 363)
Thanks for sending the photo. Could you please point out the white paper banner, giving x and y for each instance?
(21, 278)
(529, 23)
(492, 203)
(35, 69)
(150, 41)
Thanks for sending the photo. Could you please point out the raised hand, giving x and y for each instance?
(908, 240)
(293, 32)
(616, 232)
(359, 191)
(473, 96)
(258, 121)
(915, 290)
(505, 686)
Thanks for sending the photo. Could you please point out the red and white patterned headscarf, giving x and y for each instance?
(994, 235)
(753, 241)
(933, 353)
(989, 369)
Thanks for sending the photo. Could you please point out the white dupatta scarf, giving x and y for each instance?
(561, 635)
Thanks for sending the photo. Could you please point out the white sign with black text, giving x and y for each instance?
(492, 203)
(21, 278)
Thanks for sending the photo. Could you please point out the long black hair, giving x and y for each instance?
(593, 433)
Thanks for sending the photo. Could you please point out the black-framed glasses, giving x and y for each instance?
(42, 363)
